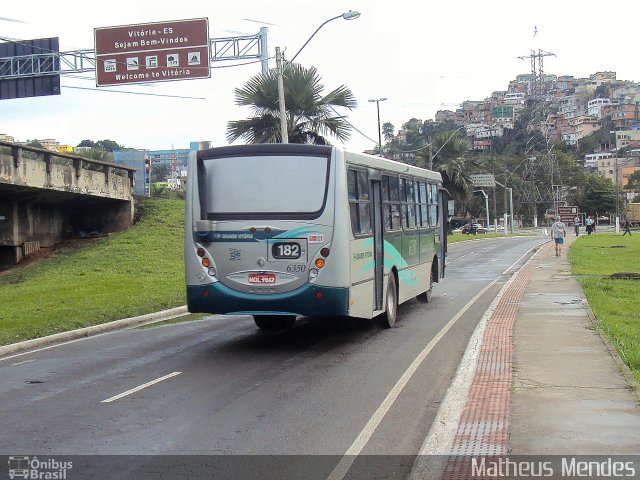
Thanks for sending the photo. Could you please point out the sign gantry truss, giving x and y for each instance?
(81, 61)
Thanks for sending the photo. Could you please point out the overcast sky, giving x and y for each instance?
(422, 55)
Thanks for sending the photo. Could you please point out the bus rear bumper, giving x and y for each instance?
(309, 300)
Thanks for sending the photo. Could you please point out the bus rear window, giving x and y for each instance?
(268, 184)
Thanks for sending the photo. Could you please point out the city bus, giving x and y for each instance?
(277, 231)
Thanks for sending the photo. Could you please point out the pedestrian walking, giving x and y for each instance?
(627, 226)
(576, 225)
(558, 232)
(589, 223)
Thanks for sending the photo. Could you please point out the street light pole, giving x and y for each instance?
(511, 207)
(486, 205)
(505, 206)
(379, 130)
(617, 195)
(350, 15)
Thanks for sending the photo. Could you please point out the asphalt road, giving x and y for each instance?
(325, 387)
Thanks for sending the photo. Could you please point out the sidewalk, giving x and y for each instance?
(569, 394)
(544, 381)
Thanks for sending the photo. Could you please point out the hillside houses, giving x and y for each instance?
(577, 108)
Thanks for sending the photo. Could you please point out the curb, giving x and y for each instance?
(444, 441)
(623, 368)
(63, 337)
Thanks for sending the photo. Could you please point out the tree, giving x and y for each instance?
(96, 154)
(310, 114)
(596, 194)
(109, 145)
(448, 149)
(87, 143)
(160, 172)
(413, 134)
(104, 145)
(633, 182)
(388, 131)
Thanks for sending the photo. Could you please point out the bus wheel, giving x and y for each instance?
(388, 318)
(273, 322)
(425, 297)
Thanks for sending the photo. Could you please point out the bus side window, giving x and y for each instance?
(408, 205)
(359, 205)
(424, 219)
(433, 208)
(391, 202)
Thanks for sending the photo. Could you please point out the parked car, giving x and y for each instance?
(472, 228)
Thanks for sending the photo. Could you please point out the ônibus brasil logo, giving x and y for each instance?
(33, 468)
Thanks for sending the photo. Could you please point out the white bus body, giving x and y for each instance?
(281, 230)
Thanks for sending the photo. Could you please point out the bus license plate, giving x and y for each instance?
(262, 278)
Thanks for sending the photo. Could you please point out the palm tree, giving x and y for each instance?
(310, 116)
(449, 149)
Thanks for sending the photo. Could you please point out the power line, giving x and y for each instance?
(134, 93)
(351, 124)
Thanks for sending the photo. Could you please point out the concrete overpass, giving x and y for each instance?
(47, 197)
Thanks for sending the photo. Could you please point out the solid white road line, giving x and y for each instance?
(349, 457)
(137, 389)
(443, 429)
(23, 362)
(22, 354)
(341, 470)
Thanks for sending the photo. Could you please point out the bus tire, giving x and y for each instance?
(425, 297)
(388, 318)
(274, 322)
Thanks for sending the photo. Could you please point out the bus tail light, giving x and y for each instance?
(325, 252)
(200, 252)
(206, 262)
(319, 262)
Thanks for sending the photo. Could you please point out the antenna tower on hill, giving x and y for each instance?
(542, 184)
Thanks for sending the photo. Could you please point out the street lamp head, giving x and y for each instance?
(350, 15)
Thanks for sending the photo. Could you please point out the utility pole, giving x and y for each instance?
(505, 200)
(378, 100)
(431, 155)
(284, 133)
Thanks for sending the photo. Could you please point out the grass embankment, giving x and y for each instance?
(615, 302)
(126, 274)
